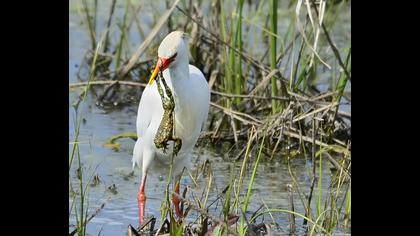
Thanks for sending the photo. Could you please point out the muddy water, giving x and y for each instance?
(113, 167)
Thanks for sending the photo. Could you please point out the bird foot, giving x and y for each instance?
(177, 145)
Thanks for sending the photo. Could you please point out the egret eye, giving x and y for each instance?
(172, 58)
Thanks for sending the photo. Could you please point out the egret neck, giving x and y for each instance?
(179, 75)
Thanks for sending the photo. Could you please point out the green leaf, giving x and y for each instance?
(217, 231)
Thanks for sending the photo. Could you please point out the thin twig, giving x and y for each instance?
(308, 139)
(334, 48)
(232, 112)
(136, 19)
(336, 164)
(249, 96)
(264, 82)
(316, 111)
(108, 82)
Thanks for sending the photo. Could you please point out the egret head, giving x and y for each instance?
(174, 48)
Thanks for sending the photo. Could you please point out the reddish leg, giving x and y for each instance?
(141, 198)
(176, 200)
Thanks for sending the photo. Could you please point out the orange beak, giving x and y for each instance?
(154, 74)
(162, 64)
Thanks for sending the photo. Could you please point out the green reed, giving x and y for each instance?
(275, 106)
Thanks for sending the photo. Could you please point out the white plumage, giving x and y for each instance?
(192, 99)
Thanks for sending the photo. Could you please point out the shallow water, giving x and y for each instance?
(112, 167)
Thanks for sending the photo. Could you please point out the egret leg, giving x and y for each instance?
(141, 198)
(175, 198)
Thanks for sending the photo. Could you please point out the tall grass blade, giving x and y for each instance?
(249, 192)
(108, 25)
(348, 207)
(90, 24)
(319, 199)
(273, 54)
(238, 46)
(228, 72)
(343, 79)
(123, 29)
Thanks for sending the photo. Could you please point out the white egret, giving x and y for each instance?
(191, 94)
